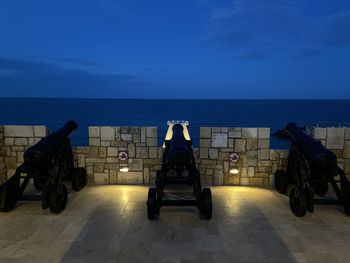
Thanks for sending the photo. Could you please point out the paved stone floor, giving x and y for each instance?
(109, 224)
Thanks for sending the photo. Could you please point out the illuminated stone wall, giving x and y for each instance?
(256, 165)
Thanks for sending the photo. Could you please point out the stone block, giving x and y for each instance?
(235, 133)
(251, 158)
(93, 151)
(205, 132)
(203, 153)
(204, 143)
(264, 154)
(126, 137)
(213, 153)
(130, 178)
(251, 171)
(215, 129)
(240, 145)
(131, 150)
(151, 132)
(347, 133)
(11, 162)
(218, 179)
(153, 152)
(346, 153)
(102, 152)
(319, 133)
(112, 151)
(21, 141)
(252, 144)
(99, 168)
(264, 143)
(18, 131)
(219, 140)
(249, 133)
(146, 176)
(143, 134)
(151, 141)
(9, 141)
(40, 131)
(230, 179)
(224, 129)
(335, 138)
(135, 165)
(94, 141)
(113, 176)
(94, 132)
(101, 178)
(136, 138)
(244, 181)
(141, 152)
(231, 143)
(107, 133)
(264, 133)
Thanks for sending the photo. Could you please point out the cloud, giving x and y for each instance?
(41, 79)
(76, 61)
(271, 27)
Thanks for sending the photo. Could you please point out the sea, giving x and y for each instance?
(275, 114)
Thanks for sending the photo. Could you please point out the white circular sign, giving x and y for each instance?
(122, 156)
(234, 157)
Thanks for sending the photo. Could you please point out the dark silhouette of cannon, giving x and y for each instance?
(311, 168)
(178, 168)
(49, 163)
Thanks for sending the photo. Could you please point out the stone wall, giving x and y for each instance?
(338, 141)
(256, 165)
(257, 162)
(3, 172)
(16, 140)
(105, 143)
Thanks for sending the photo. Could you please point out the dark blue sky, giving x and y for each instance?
(253, 49)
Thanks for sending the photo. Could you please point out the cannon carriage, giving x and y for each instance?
(49, 163)
(178, 168)
(311, 169)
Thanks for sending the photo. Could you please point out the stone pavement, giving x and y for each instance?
(109, 224)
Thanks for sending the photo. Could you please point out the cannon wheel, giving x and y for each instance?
(298, 201)
(321, 188)
(281, 181)
(58, 196)
(207, 203)
(78, 178)
(151, 203)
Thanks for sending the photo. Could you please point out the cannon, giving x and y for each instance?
(178, 169)
(311, 169)
(49, 163)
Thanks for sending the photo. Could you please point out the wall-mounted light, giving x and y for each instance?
(234, 171)
(124, 169)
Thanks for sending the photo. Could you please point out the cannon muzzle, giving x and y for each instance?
(41, 153)
(318, 156)
(179, 153)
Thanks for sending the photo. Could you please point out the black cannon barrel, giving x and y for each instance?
(314, 151)
(43, 151)
(179, 153)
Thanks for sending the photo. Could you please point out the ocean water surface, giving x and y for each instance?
(214, 113)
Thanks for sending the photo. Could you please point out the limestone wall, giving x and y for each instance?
(256, 165)
(16, 140)
(338, 141)
(3, 173)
